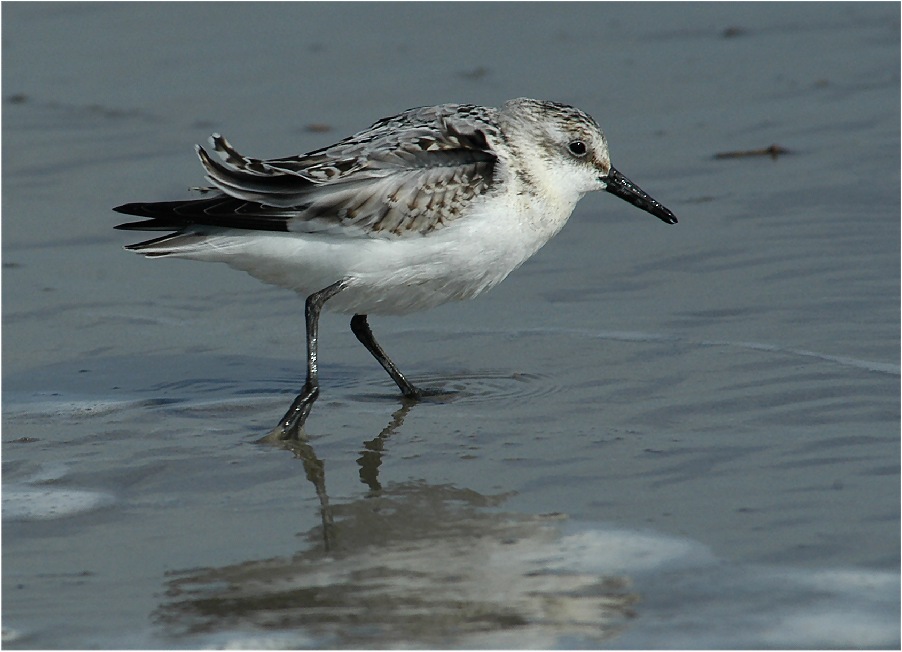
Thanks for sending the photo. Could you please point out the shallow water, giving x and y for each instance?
(655, 436)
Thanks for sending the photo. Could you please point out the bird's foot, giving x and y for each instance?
(415, 394)
(291, 426)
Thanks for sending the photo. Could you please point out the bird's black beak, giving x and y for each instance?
(619, 185)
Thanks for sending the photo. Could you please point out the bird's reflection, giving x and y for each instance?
(418, 566)
(315, 470)
(369, 461)
(406, 565)
(371, 456)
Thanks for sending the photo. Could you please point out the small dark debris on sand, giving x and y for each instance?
(773, 151)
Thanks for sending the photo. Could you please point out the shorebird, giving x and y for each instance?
(435, 204)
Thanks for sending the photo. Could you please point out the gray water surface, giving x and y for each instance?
(655, 436)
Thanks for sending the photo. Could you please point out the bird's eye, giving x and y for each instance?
(578, 148)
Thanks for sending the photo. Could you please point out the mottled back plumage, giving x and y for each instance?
(406, 175)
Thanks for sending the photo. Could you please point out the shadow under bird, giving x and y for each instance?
(435, 204)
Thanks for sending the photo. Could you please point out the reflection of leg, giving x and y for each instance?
(291, 424)
(361, 329)
(315, 471)
(371, 456)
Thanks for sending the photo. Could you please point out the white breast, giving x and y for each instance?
(396, 276)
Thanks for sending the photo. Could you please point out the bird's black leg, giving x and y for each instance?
(290, 425)
(361, 329)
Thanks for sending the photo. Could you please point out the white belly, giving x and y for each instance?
(386, 276)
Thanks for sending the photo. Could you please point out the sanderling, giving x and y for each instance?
(435, 204)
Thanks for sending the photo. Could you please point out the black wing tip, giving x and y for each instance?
(155, 220)
(140, 209)
(147, 225)
(152, 223)
(130, 209)
(224, 212)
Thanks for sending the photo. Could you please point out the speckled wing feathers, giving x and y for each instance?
(408, 174)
